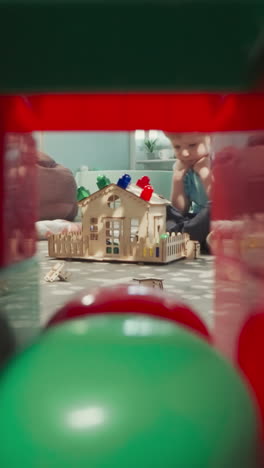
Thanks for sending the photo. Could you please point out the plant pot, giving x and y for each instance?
(152, 155)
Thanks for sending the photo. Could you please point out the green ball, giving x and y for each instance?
(121, 391)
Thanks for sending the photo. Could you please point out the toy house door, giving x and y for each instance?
(114, 237)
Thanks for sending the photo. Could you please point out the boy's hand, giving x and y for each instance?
(178, 196)
(202, 167)
(182, 166)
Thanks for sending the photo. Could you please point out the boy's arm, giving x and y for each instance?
(203, 169)
(178, 196)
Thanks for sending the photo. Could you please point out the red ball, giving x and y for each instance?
(130, 299)
(250, 356)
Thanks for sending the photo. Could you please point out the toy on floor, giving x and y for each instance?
(125, 391)
(58, 272)
(122, 222)
(150, 282)
(193, 250)
(131, 298)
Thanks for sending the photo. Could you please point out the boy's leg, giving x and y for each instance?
(198, 227)
(174, 220)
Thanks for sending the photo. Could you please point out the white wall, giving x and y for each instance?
(222, 140)
(97, 150)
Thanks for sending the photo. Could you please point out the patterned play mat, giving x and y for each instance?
(192, 281)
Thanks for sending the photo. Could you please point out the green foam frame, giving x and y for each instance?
(114, 45)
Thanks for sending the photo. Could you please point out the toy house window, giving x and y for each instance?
(93, 228)
(134, 227)
(113, 231)
(157, 224)
(114, 202)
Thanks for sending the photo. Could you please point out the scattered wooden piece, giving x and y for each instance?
(151, 282)
(57, 273)
(192, 250)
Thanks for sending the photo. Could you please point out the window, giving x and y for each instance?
(134, 227)
(93, 228)
(114, 202)
(113, 232)
(140, 156)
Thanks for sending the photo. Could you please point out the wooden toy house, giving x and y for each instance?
(117, 224)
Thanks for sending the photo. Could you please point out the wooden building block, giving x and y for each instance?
(151, 282)
(57, 273)
(192, 250)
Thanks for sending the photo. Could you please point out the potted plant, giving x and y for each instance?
(151, 148)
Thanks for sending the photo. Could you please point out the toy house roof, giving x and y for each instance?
(132, 191)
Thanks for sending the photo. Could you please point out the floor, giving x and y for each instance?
(191, 281)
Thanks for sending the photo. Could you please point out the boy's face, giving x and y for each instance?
(190, 147)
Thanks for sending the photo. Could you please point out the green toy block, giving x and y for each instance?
(102, 181)
(82, 193)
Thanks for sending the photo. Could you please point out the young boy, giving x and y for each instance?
(191, 186)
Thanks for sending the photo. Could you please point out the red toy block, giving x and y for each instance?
(147, 192)
(143, 181)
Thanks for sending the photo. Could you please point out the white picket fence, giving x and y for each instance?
(170, 248)
(67, 245)
(174, 246)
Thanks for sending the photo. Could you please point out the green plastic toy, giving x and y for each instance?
(164, 236)
(102, 181)
(124, 392)
(82, 193)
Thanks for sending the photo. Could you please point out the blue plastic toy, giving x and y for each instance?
(124, 181)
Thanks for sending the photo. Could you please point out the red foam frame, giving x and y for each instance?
(203, 112)
(130, 111)
(16, 116)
